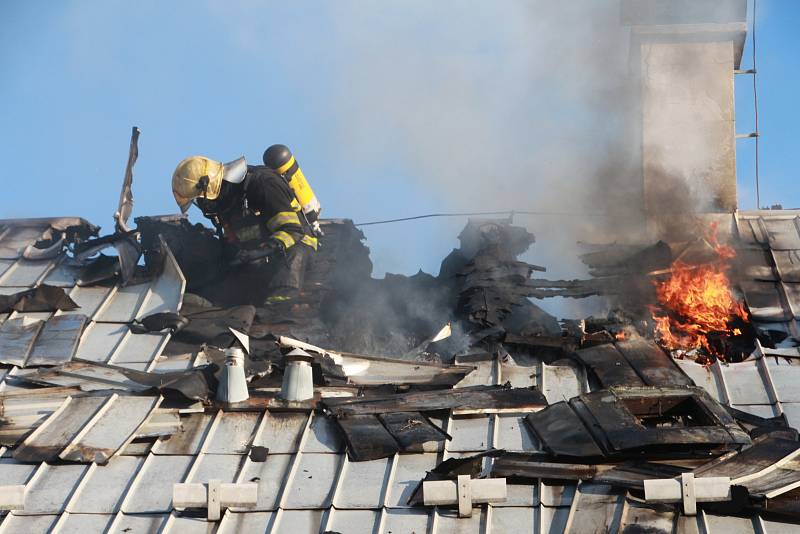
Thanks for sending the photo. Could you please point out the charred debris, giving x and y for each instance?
(388, 361)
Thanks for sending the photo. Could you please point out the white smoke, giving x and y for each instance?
(480, 105)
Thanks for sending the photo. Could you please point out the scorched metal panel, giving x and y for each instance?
(231, 432)
(188, 440)
(65, 273)
(17, 336)
(63, 425)
(281, 432)
(14, 242)
(58, 340)
(115, 423)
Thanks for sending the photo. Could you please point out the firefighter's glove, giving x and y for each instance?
(244, 257)
(315, 227)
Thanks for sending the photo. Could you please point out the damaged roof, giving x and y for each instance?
(98, 448)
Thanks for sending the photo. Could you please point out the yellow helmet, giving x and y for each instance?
(198, 176)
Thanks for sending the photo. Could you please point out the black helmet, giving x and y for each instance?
(277, 156)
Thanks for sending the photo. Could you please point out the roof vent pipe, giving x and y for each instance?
(232, 383)
(298, 379)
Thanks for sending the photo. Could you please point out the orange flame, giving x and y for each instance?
(696, 300)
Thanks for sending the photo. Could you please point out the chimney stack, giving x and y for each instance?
(683, 53)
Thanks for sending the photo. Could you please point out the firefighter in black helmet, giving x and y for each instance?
(256, 214)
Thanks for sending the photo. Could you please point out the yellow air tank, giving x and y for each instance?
(280, 159)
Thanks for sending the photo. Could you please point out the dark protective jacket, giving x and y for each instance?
(259, 209)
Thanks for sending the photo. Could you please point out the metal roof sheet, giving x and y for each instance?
(355, 521)
(88, 298)
(127, 524)
(255, 522)
(25, 273)
(82, 523)
(64, 273)
(60, 428)
(271, 476)
(281, 432)
(29, 524)
(224, 467)
(189, 439)
(151, 489)
(307, 484)
(362, 484)
(115, 423)
(57, 340)
(106, 338)
(470, 433)
(103, 487)
(51, 487)
(231, 432)
(311, 482)
(297, 521)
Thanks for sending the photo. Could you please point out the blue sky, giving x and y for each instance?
(392, 108)
(778, 48)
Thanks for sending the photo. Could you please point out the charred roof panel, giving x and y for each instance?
(16, 237)
(57, 340)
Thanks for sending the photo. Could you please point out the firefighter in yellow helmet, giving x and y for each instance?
(256, 213)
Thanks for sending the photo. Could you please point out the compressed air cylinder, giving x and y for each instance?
(280, 159)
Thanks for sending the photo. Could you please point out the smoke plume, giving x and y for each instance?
(482, 106)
